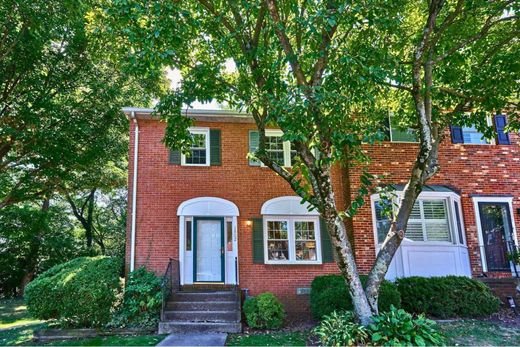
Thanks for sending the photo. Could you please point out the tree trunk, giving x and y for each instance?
(89, 233)
(34, 250)
(345, 255)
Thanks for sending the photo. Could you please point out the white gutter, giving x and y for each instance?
(134, 191)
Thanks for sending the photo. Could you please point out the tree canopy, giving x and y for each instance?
(327, 73)
(60, 106)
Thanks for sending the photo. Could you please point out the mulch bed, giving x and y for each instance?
(505, 317)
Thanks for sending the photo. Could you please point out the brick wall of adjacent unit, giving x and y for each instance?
(471, 169)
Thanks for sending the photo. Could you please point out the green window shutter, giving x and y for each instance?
(327, 256)
(214, 147)
(258, 241)
(254, 143)
(175, 157)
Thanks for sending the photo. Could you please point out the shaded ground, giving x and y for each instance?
(17, 328)
(13, 312)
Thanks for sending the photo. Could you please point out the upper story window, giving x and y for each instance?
(400, 134)
(435, 217)
(199, 151)
(471, 135)
(278, 150)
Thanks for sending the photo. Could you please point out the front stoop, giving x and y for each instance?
(202, 312)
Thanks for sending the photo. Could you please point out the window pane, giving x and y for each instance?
(188, 235)
(416, 210)
(274, 148)
(306, 250)
(434, 209)
(438, 231)
(414, 231)
(382, 221)
(459, 222)
(294, 154)
(277, 240)
(198, 150)
(305, 240)
(472, 135)
(400, 134)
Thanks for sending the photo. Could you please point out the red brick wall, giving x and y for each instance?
(162, 187)
(472, 169)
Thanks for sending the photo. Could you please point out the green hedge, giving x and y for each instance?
(79, 293)
(142, 300)
(329, 293)
(447, 297)
(264, 311)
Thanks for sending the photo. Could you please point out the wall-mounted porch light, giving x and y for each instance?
(249, 222)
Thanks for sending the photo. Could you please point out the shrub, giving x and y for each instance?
(141, 301)
(264, 311)
(340, 329)
(329, 293)
(447, 297)
(399, 328)
(81, 292)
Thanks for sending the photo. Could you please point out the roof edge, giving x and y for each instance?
(198, 114)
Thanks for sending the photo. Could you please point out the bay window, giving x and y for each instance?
(435, 217)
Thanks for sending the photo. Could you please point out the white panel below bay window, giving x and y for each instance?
(429, 260)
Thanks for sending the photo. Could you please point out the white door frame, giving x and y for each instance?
(208, 207)
(499, 199)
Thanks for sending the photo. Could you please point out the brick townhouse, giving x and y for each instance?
(225, 219)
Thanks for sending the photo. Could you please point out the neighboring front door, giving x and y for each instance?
(209, 250)
(497, 234)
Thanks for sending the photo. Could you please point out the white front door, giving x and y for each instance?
(209, 251)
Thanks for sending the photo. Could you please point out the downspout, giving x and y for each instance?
(134, 191)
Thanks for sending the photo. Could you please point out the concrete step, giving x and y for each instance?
(205, 287)
(174, 326)
(204, 296)
(203, 316)
(202, 305)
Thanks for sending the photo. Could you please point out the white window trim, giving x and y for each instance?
(489, 121)
(286, 147)
(501, 199)
(292, 240)
(198, 130)
(452, 222)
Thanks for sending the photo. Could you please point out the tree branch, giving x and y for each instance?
(326, 39)
(483, 31)
(286, 44)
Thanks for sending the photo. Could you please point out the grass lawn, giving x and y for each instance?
(477, 333)
(14, 313)
(144, 340)
(17, 328)
(271, 339)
